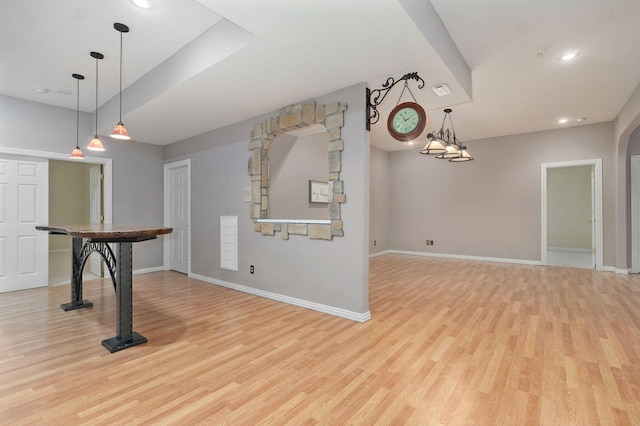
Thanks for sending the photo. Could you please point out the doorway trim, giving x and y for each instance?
(166, 259)
(597, 202)
(107, 170)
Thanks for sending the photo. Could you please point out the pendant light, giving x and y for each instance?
(120, 132)
(77, 154)
(445, 145)
(96, 143)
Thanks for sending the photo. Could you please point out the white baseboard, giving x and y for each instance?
(147, 270)
(465, 257)
(488, 259)
(380, 253)
(354, 316)
(569, 250)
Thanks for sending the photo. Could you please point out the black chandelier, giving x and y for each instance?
(444, 144)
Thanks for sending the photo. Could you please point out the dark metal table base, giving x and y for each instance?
(115, 344)
(79, 305)
(120, 268)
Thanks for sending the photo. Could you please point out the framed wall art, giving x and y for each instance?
(318, 192)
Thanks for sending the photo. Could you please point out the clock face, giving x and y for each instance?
(407, 121)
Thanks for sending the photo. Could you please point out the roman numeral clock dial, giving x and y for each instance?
(407, 121)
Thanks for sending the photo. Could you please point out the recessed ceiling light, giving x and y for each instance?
(64, 91)
(569, 56)
(581, 119)
(563, 120)
(143, 4)
(41, 90)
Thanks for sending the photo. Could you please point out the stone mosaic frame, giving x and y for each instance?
(289, 118)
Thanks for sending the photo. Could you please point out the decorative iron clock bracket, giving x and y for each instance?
(376, 96)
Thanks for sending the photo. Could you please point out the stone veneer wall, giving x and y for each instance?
(290, 118)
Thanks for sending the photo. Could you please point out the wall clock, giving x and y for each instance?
(406, 121)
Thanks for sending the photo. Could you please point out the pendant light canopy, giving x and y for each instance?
(96, 143)
(120, 132)
(77, 154)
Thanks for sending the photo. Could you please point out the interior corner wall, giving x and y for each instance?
(330, 273)
(137, 167)
(379, 202)
(490, 207)
(625, 123)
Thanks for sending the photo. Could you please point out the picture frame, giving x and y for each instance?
(318, 192)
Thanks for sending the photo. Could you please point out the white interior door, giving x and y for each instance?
(178, 209)
(95, 212)
(24, 257)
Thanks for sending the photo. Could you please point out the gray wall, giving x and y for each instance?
(569, 219)
(379, 210)
(490, 207)
(137, 167)
(332, 273)
(294, 161)
(68, 198)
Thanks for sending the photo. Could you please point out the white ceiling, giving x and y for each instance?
(194, 66)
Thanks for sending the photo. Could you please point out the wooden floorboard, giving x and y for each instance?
(449, 342)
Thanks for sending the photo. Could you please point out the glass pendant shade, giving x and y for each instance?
(434, 146)
(120, 132)
(451, 151)
(464, 156)
(96, 144)
(77, 154)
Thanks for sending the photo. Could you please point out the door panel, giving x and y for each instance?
(23, 205)
(179, 218)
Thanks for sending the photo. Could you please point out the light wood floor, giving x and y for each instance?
(450, 342)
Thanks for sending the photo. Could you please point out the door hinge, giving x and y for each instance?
(101, 218)
(593, 251)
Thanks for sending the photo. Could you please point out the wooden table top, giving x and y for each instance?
(105, 231)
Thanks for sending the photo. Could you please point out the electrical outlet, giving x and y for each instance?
(251, 269)
(427, 242)
(374, 242)
(431, 242)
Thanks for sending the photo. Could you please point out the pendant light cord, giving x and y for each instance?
(120, 77)
(78, 113)
(96, 96)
